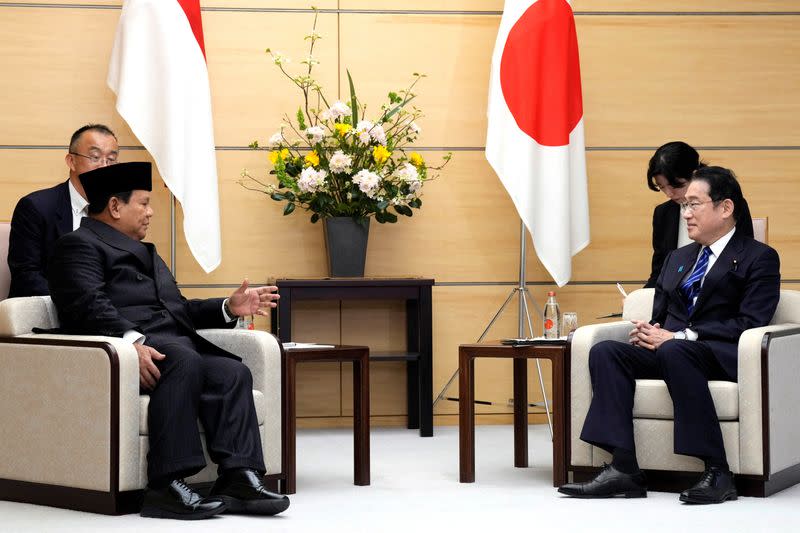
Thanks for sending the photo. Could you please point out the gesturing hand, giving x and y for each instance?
(246, 301)
(149, 373)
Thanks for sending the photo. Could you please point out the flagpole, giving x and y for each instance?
(172, 234)
(524, 315)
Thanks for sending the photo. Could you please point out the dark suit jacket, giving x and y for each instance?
(39, 219)
(740, 292)
(104, 283)
(665, 233)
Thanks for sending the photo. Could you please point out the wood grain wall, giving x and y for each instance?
(724, 76)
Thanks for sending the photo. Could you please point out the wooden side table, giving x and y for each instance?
(559, 356)
(416, 292)
(359, 355)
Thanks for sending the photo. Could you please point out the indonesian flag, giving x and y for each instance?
(158, 72)
(535, 136)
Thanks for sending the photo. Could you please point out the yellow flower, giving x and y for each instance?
(380, 154)
(275, 155)
(342, 128)
(416, 160)
(312, 158)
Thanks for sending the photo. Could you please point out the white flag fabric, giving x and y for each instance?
(158, 72)
(535, 138)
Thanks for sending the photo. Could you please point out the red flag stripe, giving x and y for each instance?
(192, 10)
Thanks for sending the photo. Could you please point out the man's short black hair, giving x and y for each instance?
(95, 208)
(722, 185)
(102, 128)
(676, 161)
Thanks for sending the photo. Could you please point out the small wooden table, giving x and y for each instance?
(359, 355)
(559, 356)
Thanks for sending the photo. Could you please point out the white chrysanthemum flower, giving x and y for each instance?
(276, 139)
(362, 131)
(325, 115)
(368, 182)
(339, 109)
(415, 128)
(407, 172)
(340, 162)
(311, 180)
(315, 134)
(378, 135)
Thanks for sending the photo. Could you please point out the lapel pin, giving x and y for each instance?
(735, 265)
(680, 269)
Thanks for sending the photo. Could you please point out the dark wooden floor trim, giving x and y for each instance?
(92, 501)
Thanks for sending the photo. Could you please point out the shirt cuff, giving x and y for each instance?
(228, 318)
(133, 336)
(691, 335)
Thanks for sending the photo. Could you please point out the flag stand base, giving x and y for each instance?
(521, 290)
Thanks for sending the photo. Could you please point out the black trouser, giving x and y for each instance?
(685, 366)
(219, 391)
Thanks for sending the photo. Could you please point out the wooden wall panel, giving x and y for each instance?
(701, 78)
(583, 6)
(249, 95)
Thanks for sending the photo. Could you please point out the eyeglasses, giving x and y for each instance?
(96, 159)
(693, 205)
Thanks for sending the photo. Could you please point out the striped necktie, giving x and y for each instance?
(691, 287)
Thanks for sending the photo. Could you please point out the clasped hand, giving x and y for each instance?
(256, 301)
(649, 336)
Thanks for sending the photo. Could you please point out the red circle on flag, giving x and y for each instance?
(540, 73)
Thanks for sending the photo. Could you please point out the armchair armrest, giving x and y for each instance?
(768, 370)
(580, 383)
(73, 400)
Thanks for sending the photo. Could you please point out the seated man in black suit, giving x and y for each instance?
(707, 294)
(43, 216)
(104, 280)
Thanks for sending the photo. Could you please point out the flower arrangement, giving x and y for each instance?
(335, 162)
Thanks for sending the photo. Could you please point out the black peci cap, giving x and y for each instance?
(102, 183)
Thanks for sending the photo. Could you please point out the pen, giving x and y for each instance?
(622, 291)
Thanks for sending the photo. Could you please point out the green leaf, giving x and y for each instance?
(390, 217)
(396, 109)
(382, 205)
(314, 218)
(277, 196)
(403, 210)
(253, 145)
(353, 98)
(288, 209)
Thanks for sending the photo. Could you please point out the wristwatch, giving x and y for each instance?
(680, 335)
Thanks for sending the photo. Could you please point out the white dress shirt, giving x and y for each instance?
(78, 205)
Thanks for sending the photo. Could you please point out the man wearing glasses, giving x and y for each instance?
(41, 217)
(707, 294)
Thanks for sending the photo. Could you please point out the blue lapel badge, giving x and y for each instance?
(680, 269)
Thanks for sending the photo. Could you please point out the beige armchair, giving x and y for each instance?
(757, 414)
(73, 425)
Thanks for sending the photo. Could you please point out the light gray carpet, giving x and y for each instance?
(415, 488)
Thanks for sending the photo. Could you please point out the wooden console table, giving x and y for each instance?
(416, 292)
(559, 356)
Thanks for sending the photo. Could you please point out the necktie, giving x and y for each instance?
(691, 287)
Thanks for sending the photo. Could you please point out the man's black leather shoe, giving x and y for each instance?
(178, 501)
(243, 492)
(609, 483)
(716, 485)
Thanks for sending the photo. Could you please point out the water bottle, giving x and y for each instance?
(246, 322)
(551, 317)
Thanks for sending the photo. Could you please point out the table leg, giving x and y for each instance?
(361, 420)
(520, 412)
(412, 393)
(559, 421)
(290, 431)
(425, 362)
(466, 417)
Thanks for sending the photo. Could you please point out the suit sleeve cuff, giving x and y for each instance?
(228, 318)
(133, 336)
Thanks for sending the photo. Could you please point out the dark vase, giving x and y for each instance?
(346, 242)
